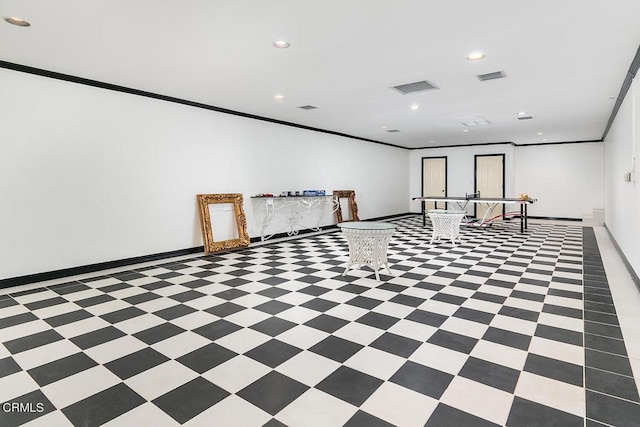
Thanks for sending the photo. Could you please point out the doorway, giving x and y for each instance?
(489, 181)
(434, 180)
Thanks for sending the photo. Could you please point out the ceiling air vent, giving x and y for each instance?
(415, 87)
(473, 121)
(308, 107)
(492, 76)
(393, 130)
(525, 117)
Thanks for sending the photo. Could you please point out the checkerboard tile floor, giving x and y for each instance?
(504, 329)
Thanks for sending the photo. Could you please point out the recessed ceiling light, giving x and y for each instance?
(539, 133)
(475, 56)
(281, 44)
(278, 97)
(465, 130)
(545, 140)
(522, 113)
(384, 127)
(16, 21)
(432, 141)
(415, 106)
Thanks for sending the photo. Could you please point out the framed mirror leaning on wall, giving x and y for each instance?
(224, 214)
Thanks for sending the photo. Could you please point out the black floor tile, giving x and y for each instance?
(319, 304)
(273, 326)
(326, 323)
(611, 410)
(453, 341)
(103, 407)
(174, 312)
(45, 303)
(336, 348)
(158, 333)
(207, 357)
(8, 366)
(273, 352)
(364, 302)
(519, 313)
(609, 345)
(231, 294)
(32, 341)
(225, 309)
(526, 413)
(61, 368)
(122, 315)
(97, 337)
(190, 399)
(141, 298)
(363, 419)
(272, 392)
(559, 334)
(377, 320)
(396, 344)
(447, 416)
(217, 329)
(427, 318)
(611, 384)
(273, 307)
(555, 369)
(474, 315)
(608, 362)
(135, 363)
(491, 374)
(89, 302)
(17, 319)
(423, 379)
(508, 338)
(350, 385)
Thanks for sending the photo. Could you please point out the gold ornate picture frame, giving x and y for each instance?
(210, 245)
(353, 206)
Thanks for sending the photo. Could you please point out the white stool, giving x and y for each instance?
(368, 243)
(446, 223)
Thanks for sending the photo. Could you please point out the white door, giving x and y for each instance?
(489, 182)
(434, 179)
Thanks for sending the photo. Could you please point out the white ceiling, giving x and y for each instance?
(565, 60)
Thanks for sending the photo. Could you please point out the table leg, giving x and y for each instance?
(522, 217)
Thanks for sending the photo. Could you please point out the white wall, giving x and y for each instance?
(565, 178)
(89, 175)
(460, 169)
(622, 199)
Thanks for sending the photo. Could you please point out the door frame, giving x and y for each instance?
(475, 177)
(446, 180)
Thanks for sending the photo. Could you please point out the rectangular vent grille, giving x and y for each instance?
(492, 76)
(525, 117)
(308, 107)
(393, 130)
(474, 121)
(415, 87)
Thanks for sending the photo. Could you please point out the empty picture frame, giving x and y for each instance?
(235, 199)
(353, 207)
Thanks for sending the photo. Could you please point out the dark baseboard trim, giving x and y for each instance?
(553, 218)
(92, 268)
(632, 272)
